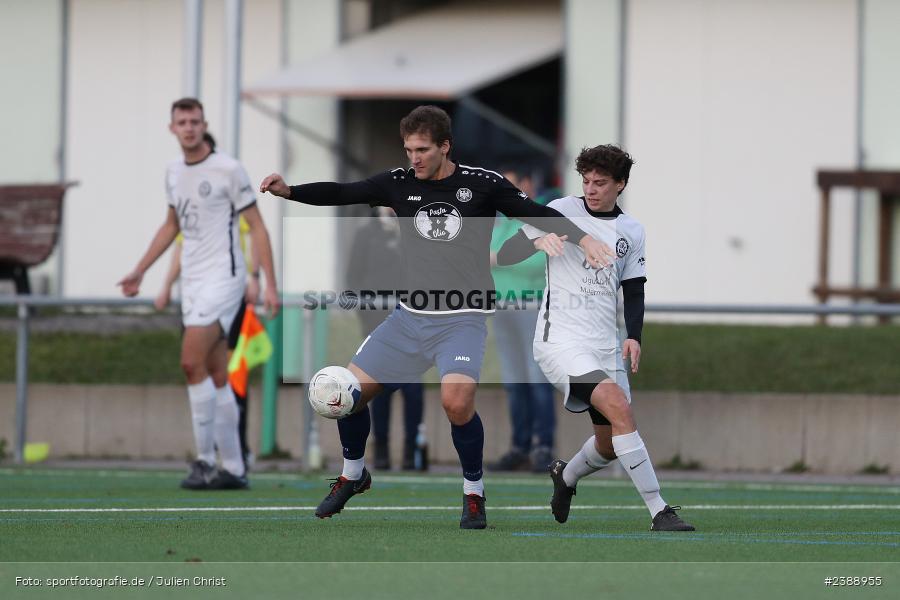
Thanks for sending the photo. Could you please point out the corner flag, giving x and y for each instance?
(253, 348)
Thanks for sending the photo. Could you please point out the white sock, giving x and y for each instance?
(227, 438)
(473, 487)
(353, 468)
(202, 397)
(586, 461)
(636, 462)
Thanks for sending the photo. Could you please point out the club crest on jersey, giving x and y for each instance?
(621, 247)
(205, 189)
(463, 194)
(439, 222)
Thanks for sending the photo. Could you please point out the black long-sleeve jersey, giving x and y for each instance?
(445, 230)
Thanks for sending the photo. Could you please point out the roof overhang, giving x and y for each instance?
(440, 54)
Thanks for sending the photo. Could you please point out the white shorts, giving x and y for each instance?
(559, 362)
(207, 302)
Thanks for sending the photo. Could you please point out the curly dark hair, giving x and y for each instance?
(608, 159)
(427, 119)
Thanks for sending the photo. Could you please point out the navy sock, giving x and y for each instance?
(469, 442)
(354, 431)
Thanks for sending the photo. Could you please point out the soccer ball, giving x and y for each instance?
(334, 392)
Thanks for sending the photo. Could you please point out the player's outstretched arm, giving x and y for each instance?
(551, 220)
(275, 185)
(326, 193)
(519, 247)
(512, 203)
(551, 243)
(597, 253)
(164, 237)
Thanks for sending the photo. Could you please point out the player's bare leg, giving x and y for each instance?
(368, 386)
(354, 431)
(458, 401)
(610, 400)
(196, 348)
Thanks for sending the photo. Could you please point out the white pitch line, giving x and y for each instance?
(192, 509)
(873, 488)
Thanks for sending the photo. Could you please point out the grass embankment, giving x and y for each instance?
(726, 358)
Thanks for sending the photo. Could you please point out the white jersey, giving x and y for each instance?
(581, 303)
(207, 196)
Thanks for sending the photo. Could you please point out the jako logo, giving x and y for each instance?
(465, 358)
(415, 198)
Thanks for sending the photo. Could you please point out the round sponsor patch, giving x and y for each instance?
(621, 247)
(463, 194)
(438, 221)
(205, 189)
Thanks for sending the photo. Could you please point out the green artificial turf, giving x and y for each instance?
(402, 537)
(274, 521)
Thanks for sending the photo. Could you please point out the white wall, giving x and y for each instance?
(124, 65)
(30, 62)
(591, 80)
(126, 69)
(881, 122)
(731, 108)
(260, 150)
(314, 28)
(30, 106)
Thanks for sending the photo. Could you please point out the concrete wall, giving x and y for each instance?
(831, 434)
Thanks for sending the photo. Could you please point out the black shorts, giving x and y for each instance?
(582, 386)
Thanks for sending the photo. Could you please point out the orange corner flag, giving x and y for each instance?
(253, 348)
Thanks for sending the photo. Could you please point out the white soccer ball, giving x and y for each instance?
(334, 392)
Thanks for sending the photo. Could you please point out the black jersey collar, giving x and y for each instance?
(615, 212)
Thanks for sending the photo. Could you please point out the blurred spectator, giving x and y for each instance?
(530, 396)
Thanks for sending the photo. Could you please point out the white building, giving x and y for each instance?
(728, 106)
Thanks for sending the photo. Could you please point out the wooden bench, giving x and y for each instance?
(30, 220)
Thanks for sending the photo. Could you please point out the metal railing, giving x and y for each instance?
(24, 303)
